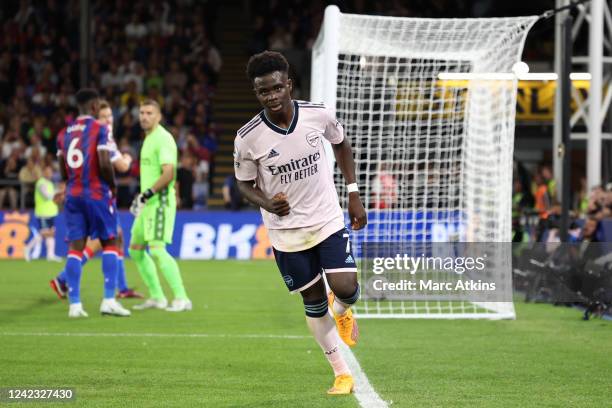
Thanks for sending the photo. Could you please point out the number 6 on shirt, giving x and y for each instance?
(75, 155)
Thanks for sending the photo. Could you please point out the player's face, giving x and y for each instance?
(106, 116)
(149, 117)
(273, 91)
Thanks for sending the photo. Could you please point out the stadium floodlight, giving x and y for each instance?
(448, 146)
(520, 68)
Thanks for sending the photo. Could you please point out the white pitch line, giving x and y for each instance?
(174, 335)
(364, 392)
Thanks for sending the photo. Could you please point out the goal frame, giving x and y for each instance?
(327, 47)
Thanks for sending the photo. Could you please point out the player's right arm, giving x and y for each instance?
(245, 169)
(278, 206)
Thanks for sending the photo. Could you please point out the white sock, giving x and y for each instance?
(50, 242)
(33, 242)
(339, 307)
(324, 331)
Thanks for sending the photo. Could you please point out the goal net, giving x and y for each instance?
(429, 107)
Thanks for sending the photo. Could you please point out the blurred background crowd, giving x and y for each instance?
(154, 49)
(174, 51)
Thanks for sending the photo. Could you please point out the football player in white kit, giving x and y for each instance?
(281, 165)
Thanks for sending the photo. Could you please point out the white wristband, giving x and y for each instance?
(352, 188)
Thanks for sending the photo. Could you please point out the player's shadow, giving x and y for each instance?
(32, 308)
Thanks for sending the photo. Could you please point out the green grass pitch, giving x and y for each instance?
(246, 344)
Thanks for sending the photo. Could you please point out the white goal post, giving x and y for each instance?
(433, 154)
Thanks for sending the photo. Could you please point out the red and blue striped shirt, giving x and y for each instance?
(79, 143)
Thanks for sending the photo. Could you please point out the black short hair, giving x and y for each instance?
(265, 63)
(86, 95)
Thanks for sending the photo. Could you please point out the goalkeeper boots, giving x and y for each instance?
(110, 307)
(152, 304)
(180, 305)
(345, 323)
(343, 385)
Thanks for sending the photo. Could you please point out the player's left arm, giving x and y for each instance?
(344, 158)
(167, 154)
(334, 133)
(167, 175)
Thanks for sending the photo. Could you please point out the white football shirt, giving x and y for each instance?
(293, 161)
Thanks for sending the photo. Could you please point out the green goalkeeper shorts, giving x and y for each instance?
(154, 223)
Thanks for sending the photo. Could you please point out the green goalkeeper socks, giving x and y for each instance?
(168, 266)
(146, 268)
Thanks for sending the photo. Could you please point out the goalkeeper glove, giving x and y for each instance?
(139, 202)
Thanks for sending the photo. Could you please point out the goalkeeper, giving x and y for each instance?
(155, 211)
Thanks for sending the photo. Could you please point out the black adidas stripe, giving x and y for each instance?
(247, 131)
(249, 123)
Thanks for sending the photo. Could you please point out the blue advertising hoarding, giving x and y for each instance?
(239, 235)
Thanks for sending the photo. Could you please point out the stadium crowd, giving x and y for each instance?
(156, 49)
(164, 50)
(536, 210)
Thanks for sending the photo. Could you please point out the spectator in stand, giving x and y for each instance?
(153, 93)
(589, 229)
(181, 130)
(130, 99)
(200, 187)
(194, 147)
(280, 39)
(40, 134)
(582, 198)
(176, 78)
(174, 102)
(128, 128)
(136, 29)
(29, 174)
(32, 170)
(232, 198)
(112, 78)
(549, 180)
(542, 200)
(185, 179)
(384, 187)
(10, 172)
(35, 147)
(136, 75)
(12, 142)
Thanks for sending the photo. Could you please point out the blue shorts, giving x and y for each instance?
(96, 219)
(302, 269)
(45, 223)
